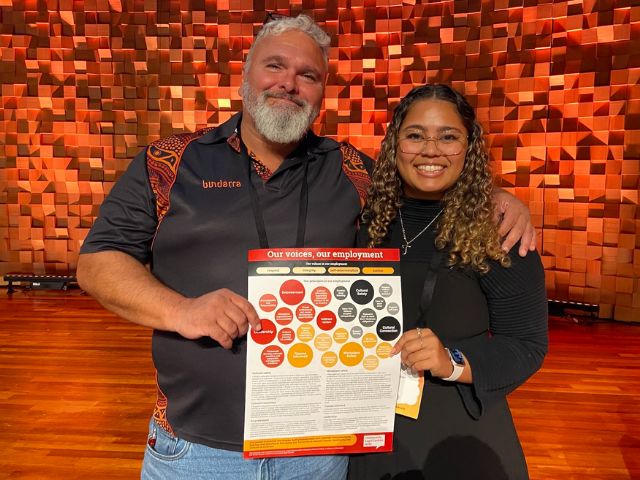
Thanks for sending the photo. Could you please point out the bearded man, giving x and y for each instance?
(169, 249)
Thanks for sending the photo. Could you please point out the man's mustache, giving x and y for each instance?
(285, 96)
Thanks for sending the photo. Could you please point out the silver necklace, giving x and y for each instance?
(407, 243)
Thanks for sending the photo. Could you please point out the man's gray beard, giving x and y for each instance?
(278, 124)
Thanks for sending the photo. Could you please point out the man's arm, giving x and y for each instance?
(514, 222)
(125, 286)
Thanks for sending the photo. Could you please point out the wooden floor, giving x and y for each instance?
(77, 390)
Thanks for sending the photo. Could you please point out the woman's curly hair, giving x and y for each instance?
(466, 226)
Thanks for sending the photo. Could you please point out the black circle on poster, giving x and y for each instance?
(388, 329)
(361, 292)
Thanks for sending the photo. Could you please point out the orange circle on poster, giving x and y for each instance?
(305, 312)
(300, 355)
(284, 316)
(268, 302)
(326, 320)
(321, 296)
(351, 354)
(267, 334)
(292, 292)
(369, 340)
(323, 342)
(306, 332)
(371, 362)
(329, 359)
(340, 335)
(383, 350)
(272, 356)
(286, 336)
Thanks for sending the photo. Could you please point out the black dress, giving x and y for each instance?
(499, 321)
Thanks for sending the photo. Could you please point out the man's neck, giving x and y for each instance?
(269, 153)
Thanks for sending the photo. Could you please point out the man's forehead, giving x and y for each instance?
(288, 40)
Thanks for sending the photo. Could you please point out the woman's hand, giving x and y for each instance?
(422, 350)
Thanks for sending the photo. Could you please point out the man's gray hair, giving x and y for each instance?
(302, 23)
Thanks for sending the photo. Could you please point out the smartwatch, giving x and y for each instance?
(457, 360)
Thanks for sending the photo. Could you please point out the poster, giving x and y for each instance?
(319, 376)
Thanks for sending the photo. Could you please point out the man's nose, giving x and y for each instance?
(288, 82)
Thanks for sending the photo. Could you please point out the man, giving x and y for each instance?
(190, 207)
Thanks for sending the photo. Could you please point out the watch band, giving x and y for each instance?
(457, 360)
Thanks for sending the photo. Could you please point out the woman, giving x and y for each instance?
(475, 317)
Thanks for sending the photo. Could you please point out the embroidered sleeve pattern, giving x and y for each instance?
(354, 168)
(163, 159)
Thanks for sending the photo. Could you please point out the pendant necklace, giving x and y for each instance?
(407, 243)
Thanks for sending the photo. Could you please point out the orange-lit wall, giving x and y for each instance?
(86, 84)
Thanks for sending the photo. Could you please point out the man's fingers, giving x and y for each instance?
(247, 309)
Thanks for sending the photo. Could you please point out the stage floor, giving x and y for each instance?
(77, 389)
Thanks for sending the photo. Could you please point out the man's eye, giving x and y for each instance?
(274, 66)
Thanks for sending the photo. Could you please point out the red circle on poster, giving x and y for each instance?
(284, 316)
(305, 312)
(267, 334)
(321, 296)
(272, 356)
(268, 302)
(286, 336)
(326, 320)
(292, 292)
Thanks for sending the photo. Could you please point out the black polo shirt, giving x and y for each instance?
(201, 245)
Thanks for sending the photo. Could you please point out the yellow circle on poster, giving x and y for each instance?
(323, 342)
(369, 340)
(341, 335)
(351, 354)
(300, 355)
(371, 362)
(383, 350)
(305, 332)
(329, 359)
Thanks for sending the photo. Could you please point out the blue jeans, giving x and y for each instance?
(173, 458)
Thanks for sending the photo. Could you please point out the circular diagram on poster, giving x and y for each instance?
(306, 332)
(340, 335)
(286, 336)
(356, 332)
(347, 312)
(388, 329)
(351, 354)
(323, 342)
(272, 356)
(305, 312)
(320, 296)
(329, 359)
(383, 350)
(284, 316)
(292, 292)
(361, 292)
(300, 355)
(326, 320)
(371, 362)
(379, 303)
(268, 302)
(393, 308)
(386, 290)
(267, 334)
(369, 340)
(367, 317)
(340, 292)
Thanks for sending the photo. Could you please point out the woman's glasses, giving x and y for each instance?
(447, 144)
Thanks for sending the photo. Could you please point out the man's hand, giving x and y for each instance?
(514, 222)
(221, 315)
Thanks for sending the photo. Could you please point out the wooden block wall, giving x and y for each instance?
(85, 85)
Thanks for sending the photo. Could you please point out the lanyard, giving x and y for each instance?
(429, 286)
(257, 209)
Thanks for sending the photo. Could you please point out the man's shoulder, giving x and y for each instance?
(351, 153)
(179, 141)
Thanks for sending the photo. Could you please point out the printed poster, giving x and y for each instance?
(320, 380)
